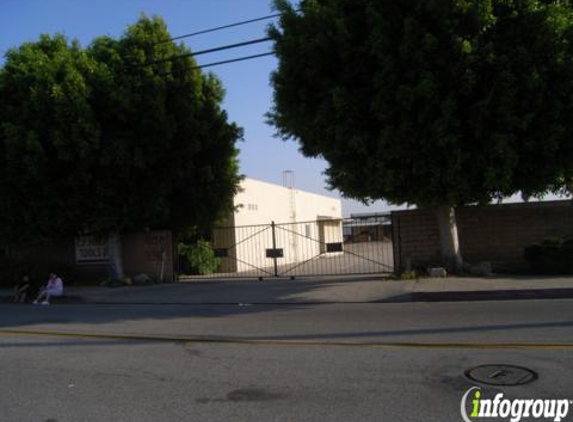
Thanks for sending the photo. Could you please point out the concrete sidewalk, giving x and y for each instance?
(327, 290)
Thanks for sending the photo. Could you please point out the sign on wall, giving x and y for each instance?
(91, 250)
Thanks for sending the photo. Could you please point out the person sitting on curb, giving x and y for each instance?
(21, 289)
(54, 288)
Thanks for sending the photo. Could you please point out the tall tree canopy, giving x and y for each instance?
(97, 139)
(436, 103)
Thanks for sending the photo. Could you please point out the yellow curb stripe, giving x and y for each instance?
(271, 342)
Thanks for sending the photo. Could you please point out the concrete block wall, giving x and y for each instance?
(416, 237)
(141, 252)
(494, 233)
(150, 253)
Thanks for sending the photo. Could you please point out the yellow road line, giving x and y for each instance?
(273, 342)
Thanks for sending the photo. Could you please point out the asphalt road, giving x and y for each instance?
(346, 362)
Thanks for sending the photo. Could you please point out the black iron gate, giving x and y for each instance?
(357, 245)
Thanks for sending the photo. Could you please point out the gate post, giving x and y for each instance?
(273, 227)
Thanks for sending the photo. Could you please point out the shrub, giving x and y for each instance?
(408, 275)
(552, 256)
(198, 258)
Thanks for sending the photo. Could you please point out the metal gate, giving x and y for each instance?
(324, 247)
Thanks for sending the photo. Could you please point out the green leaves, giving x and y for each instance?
(429, 102)
(95, 139)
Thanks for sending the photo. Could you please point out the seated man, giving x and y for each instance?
(21, 289)
(54, 287)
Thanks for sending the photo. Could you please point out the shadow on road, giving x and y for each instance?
(259, 311)
(182, 300)
(425, 330)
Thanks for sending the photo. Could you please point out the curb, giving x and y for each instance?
(54, 300)
(462, 296)
(444, 296)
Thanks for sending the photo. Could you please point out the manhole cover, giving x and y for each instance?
(501, 375)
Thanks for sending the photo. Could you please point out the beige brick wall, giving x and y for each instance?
(494, 233)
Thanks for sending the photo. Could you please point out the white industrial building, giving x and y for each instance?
(306, 226)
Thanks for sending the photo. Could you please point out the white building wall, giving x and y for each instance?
(260, 203)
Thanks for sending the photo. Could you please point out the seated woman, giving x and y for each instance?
(21, 289)
(54, 288)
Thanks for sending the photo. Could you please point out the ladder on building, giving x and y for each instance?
(288, 182)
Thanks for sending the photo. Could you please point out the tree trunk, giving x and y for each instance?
(449, 239)
(115, 260)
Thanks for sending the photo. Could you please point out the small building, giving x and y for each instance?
(272, 221)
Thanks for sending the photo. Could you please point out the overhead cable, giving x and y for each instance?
(210, 50)
(218, 28)
(238, 59)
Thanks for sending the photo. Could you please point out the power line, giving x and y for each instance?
(210, 50)
(239, 59)
(231, 25)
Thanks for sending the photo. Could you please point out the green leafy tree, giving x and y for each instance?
(437, 103)
(110, 138)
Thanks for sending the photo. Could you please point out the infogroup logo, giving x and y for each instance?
(513, 410)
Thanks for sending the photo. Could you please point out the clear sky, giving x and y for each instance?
(249, 95)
